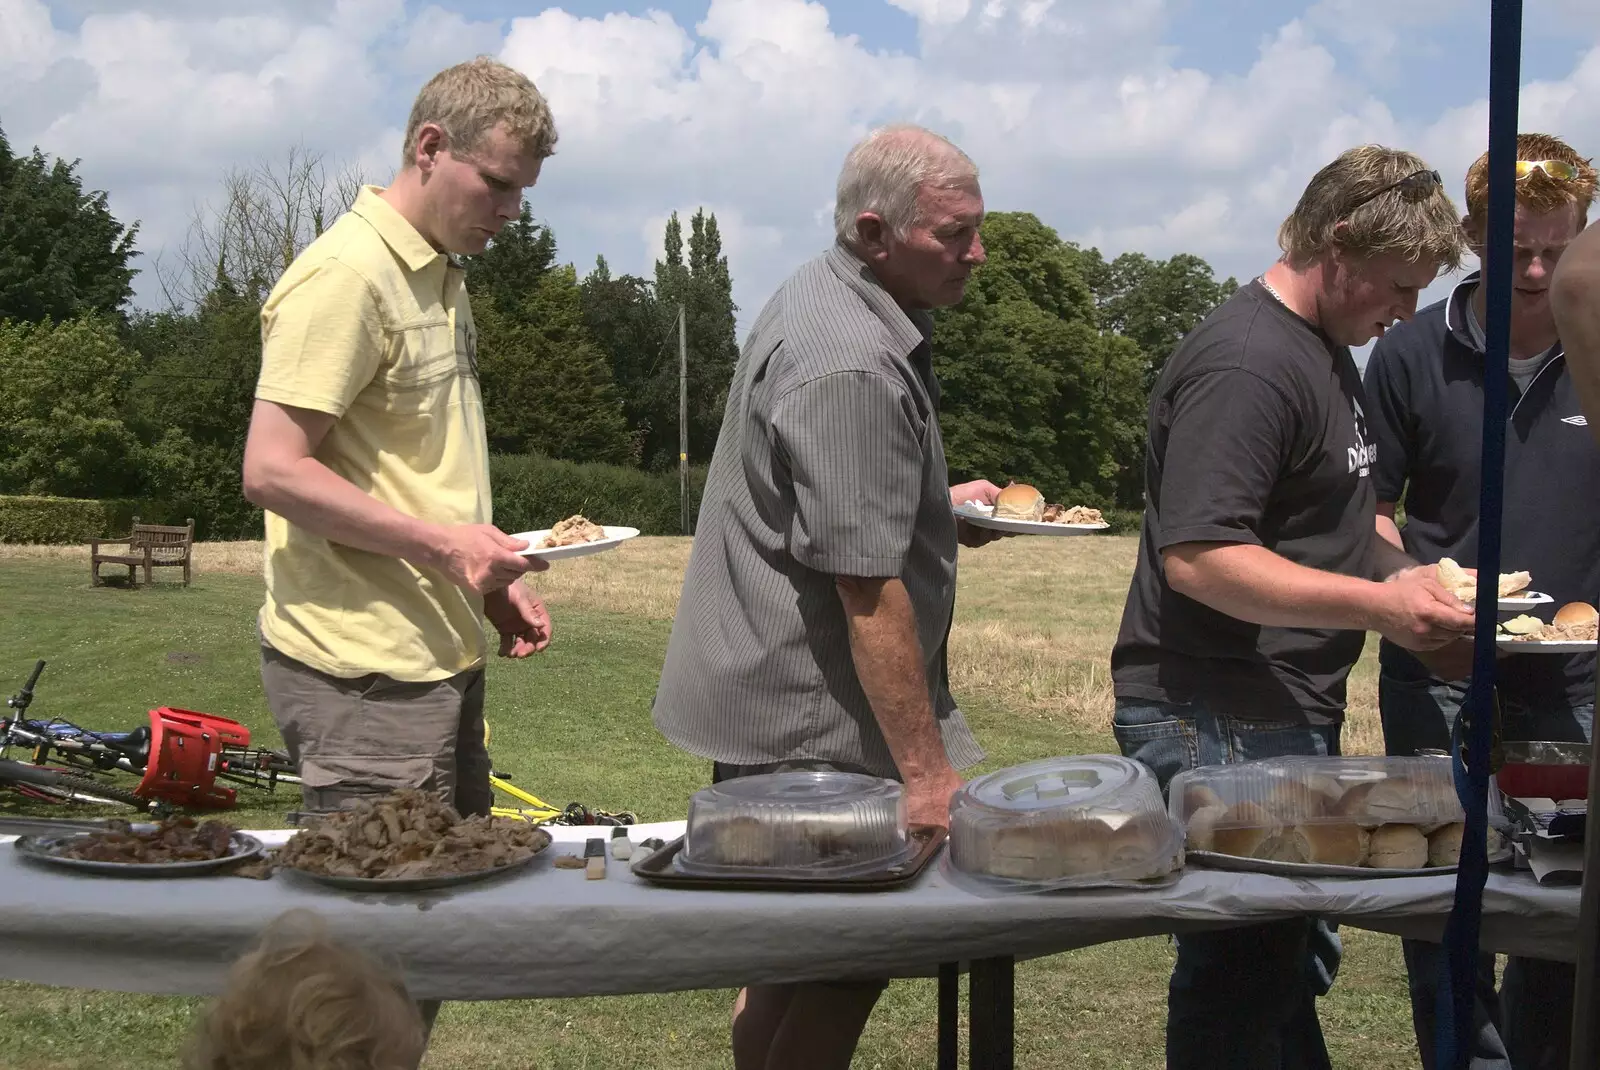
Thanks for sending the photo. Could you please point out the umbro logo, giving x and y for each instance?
(1576, 421)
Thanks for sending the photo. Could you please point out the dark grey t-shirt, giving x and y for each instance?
(829, 463)
(1256, 434)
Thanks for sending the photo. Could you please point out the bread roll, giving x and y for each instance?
(1202, 832)
(1444, 845)
(1045, 852)
(1340, 844)
(734, 841)
(1197, 797)
(1141, 841)
(1397, 847)
(1353, 804)
(1294, 801)
(1512, 582)
(1243, 828)
(1019, 502)
(1576, 613)
(1453, 578)
(1283, 845)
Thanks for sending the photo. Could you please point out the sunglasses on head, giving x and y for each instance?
(1560, 170)
(1417, 182)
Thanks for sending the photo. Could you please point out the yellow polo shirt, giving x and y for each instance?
(371, 325)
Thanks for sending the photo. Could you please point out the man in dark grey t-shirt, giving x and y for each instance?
(812, 628)
(1259, 568)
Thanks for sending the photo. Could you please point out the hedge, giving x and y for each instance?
(530, 492)
(37, 518)
(533, 492)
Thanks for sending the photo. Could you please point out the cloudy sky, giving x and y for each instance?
(1154, 125)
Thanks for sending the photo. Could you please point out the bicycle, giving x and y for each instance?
(539, 812)
(83, 757)
(68, 762)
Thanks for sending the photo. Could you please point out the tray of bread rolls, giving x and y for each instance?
(1081, 821)
(1334, 817)
(818, 830)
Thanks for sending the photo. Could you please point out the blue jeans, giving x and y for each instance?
(1527, 1024)
(1244, 998)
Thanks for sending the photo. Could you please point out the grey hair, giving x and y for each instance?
(884, 171)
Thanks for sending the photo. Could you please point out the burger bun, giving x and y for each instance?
(1019, 501)
(1576, 613)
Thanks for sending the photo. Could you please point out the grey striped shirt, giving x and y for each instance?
(829, 463)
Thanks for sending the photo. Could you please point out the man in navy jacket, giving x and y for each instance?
(1424, 385)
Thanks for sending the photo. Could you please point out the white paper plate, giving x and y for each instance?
(614, 537)
(1532, 598)
(973, 513)
(1546, 646)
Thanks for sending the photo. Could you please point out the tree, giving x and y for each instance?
(1154, 302)
(62, 388)
(547, 387)
(1032, 391)
(629, 326)
(509, 270)
(191, 404)
(62, 253)
(704, 287)
(268, 213)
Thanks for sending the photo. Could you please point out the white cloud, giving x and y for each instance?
(438, 38)
(1077, 111)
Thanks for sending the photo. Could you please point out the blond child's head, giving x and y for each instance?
(300, 1001)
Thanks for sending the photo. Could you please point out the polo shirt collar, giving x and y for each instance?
(395, 230)
(1456, 315)
(909, 329)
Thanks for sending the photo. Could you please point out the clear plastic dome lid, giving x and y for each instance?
(798, 824)
(1371, 812)
(1053, 783)
(1064, 822)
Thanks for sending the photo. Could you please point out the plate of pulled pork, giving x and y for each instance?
(408, 841)
(573, 537)
(179, 847)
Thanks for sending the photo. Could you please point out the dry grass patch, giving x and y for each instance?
(1035, 618)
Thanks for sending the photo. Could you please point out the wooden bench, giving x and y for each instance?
(151, 546)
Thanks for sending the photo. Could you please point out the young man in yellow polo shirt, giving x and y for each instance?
(368, 452)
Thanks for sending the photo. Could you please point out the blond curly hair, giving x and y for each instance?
(300, 1001)
(1341, 208)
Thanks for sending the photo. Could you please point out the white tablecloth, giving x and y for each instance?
(549, 932)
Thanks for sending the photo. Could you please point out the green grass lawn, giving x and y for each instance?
(571, 725)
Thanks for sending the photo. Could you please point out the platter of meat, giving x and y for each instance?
(1573, 631)
(573, 537)
(178, 847)
(408, 841)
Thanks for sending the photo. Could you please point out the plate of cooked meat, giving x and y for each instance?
(573, 537)
(179, 847)
(1022, 510)
(408, 841)
(1575, 630)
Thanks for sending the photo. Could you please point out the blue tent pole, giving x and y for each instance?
(1455, 1021)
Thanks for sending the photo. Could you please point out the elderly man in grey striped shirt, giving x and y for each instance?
(812, 628)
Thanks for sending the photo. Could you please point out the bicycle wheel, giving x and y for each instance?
(78, 788)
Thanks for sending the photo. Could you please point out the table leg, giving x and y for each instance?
(991, 1040)
(949, 1013)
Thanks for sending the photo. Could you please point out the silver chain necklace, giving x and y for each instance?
(1265, 285)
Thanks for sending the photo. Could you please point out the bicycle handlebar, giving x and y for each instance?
(21, 699)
